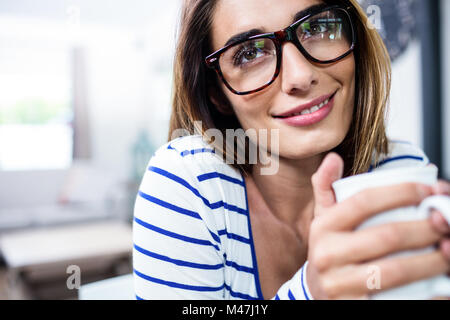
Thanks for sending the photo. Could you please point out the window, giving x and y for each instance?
(35, 101)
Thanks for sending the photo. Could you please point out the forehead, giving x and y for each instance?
(236, 16)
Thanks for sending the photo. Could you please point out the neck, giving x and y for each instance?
(288, 193)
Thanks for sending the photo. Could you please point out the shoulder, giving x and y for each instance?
(191, 156)
(401, 154)
(184, 176)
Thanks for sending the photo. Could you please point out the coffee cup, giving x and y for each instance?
(438, 286)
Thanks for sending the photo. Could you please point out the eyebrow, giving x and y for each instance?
(253, 32)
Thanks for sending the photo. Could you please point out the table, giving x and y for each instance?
(39, 260)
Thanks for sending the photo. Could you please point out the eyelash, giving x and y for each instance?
(238, 55)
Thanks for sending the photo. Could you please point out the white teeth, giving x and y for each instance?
(304, 112)
(312, 110)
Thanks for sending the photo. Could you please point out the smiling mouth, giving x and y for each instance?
(309, 110)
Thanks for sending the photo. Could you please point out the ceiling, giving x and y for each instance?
(118, 13)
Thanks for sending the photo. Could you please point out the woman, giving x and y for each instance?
(206, 228)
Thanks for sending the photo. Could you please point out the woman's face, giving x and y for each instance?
(300, 81)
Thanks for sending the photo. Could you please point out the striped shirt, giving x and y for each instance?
(192, 235)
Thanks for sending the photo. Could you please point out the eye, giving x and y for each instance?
(318, 28)
(250, 52)
(312, 28)
(246, 55)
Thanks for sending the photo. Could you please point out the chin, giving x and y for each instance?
(300, 149)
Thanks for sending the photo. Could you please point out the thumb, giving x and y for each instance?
(330, 170)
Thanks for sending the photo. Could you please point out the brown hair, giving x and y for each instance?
(194, 83)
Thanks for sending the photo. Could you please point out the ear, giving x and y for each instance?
(220, 102)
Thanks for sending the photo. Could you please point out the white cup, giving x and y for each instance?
(438, 286)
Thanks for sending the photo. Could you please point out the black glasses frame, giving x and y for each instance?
(279, 38)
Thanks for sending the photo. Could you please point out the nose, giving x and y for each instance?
(297, 72)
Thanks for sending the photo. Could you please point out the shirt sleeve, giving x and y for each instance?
(176, 253)
(401, 154)
(296, 288)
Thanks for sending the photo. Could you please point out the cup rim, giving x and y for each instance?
(431, 168)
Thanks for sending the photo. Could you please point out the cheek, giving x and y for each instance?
(352, 91)
(345, 73)
(250, 109)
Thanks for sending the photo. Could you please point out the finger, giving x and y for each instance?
(385, 274)
(330, 170)
(439, 222)
(339, 249)
(353, 211)
(403, 270)
(445, 248)
(442, 188)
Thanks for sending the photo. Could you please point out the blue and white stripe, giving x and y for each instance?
(192, 233)
(401, 154)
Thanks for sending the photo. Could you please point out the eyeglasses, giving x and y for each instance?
(250, 65)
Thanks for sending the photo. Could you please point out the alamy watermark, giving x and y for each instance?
(73, 14)
(374, 17)
(374, 280)
(237, 146)
(74, 280)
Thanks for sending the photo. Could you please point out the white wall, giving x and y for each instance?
(129, 48)
(405, 112)
(126, 93)
(129, 89)
(128, 51)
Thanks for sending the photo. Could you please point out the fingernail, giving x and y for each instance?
(443, 188)
(439, 223)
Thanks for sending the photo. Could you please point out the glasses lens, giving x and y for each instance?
(249, 65)
(327, 35)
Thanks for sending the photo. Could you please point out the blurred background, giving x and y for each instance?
(85, 91)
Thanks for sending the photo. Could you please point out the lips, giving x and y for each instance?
(308, 108)
(309, 117)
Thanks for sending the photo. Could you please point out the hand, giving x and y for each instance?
(340, 257)
(439, 222)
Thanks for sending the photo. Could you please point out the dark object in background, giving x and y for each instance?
(398, 23)
(401, 22)
(430, 17)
